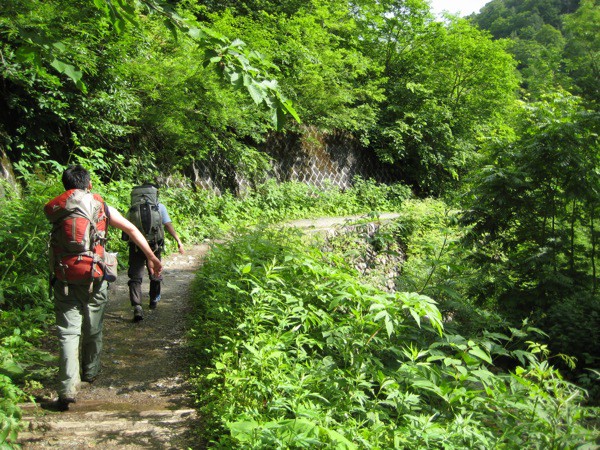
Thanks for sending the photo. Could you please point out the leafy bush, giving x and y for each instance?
(272, 202)
(23, 237)
(10, 414)
(21, 364)
(199, 214)
(297, 353)
(573, 326)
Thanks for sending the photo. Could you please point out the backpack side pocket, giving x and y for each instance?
(110, 266)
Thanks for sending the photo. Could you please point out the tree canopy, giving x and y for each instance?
(142, 90)
(491, 122)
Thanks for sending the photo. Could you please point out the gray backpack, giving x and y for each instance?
(145, 215)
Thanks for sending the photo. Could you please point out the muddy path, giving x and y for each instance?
(141, 397)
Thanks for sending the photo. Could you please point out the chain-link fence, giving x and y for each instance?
(312, 157)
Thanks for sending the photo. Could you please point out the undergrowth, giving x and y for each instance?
(295, 351)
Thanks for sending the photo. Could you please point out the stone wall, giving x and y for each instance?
(311, 157)
(319, 158)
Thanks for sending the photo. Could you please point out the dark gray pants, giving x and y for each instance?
(137, 267)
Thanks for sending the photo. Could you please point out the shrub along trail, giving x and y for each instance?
(140, 400)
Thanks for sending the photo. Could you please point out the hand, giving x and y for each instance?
(155, 266)
(181, 250)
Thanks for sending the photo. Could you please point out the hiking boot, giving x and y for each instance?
(62, 403)
(154, 302)
(88, 379)
(138, 314)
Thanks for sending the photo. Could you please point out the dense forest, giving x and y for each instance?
(490, 126)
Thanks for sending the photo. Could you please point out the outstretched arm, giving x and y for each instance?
(118, 221)
(172, 232)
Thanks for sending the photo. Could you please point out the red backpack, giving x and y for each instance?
(79, 222)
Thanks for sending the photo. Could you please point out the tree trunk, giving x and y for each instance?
(593, 256)
(572, 255)
(554, 245)
(6, 172)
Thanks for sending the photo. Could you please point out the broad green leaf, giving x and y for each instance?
(415, 316)
(67, 69)
(389, 325)
(196, 33)
(251, 349)
(341, 441)
(4, 432)
(287, 105)
(379, 315)
(11, 368)
(242, 430)
(483, 374)
(462, 369)
(59, 46)
(480, 353)
(276, 118)
(236, 80)
(255, 92)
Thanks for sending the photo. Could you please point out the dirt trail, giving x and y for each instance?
(140, 400)
(321, 224)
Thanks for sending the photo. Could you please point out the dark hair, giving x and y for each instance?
(75, 177)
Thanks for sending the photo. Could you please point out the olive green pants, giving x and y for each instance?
(79, 316)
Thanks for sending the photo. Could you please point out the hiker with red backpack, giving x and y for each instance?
(152, 218)
(80, 273)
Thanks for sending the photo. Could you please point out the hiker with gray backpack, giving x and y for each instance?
(152, 218)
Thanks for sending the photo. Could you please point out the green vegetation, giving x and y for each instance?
(25, 307)
(490, 125)
(298, 353)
